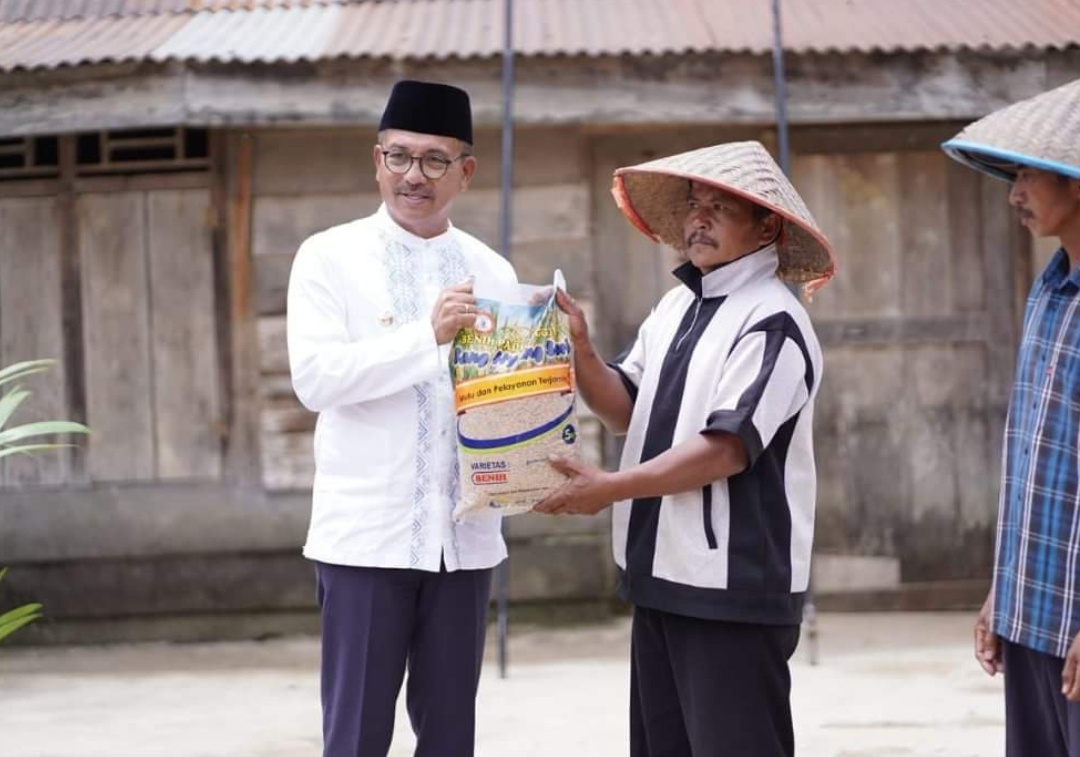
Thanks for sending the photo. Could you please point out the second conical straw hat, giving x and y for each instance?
(1040, 132)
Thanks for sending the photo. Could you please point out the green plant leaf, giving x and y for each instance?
(40, 428)
(26, 368)
(6, 629)
(20, 612)
(12, 620)
(10, 402)
(29, 449)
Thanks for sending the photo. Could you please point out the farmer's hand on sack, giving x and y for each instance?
(1070, 674)
(587, 491)
(987, 643)
(579, 328)
(455, 309)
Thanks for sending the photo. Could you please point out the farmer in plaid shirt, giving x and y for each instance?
(1029, 626)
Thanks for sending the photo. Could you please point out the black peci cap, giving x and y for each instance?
(429, 108)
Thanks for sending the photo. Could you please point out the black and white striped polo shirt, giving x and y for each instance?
(731, 351)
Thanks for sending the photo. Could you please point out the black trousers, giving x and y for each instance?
(1039, 720)
(707, 688)
(378, 621)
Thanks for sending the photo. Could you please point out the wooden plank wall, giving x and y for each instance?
(115, 278)
(305, 181)
(149, 335)
(187, 407)
(116, 322)
(31, 323)
(919, 331)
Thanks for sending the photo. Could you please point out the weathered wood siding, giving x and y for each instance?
(152, 385)
(31, 322)
(710, 88)
(172, 321)
(112, 231)
(920, 330)
(118, 272)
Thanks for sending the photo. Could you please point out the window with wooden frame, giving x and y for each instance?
(133, 151)
(29, 158)
(142, 151)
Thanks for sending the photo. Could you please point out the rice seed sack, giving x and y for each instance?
(515, 400)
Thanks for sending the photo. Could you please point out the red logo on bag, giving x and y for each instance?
(481, 478)
(484, 323)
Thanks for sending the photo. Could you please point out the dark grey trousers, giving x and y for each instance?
(376, 622)
(708, 688)
(1039, 720)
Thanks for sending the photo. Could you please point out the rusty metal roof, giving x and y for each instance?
(50, 33)
(45, 10)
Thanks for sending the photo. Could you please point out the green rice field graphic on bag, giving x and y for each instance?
(514, 394)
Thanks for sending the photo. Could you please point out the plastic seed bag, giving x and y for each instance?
(514, 394)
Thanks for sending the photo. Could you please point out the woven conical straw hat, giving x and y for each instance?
(653, 196)
(1040, 132)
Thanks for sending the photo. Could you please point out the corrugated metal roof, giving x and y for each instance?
(307, 30)
(48, 44)
(12, 11)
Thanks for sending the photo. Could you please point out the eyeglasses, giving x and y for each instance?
(432, 165)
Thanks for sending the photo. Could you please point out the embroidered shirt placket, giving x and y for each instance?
(404, 270)
(445, 268)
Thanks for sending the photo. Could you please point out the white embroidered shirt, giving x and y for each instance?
(362, 354)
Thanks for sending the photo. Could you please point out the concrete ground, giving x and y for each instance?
(884, 685)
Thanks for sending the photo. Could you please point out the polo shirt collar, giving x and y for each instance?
(1057, 273)
(730, 276)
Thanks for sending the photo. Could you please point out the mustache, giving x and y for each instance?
(414, 191)
(699, 237)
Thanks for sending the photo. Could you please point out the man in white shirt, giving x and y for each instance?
(714, 510)
(373, 307)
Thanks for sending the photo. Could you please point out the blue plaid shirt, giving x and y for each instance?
(1037, 568)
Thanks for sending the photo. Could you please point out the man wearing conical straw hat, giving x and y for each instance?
(714, 498)
(1029, 624)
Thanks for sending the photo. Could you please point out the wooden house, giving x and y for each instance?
(161, 160)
